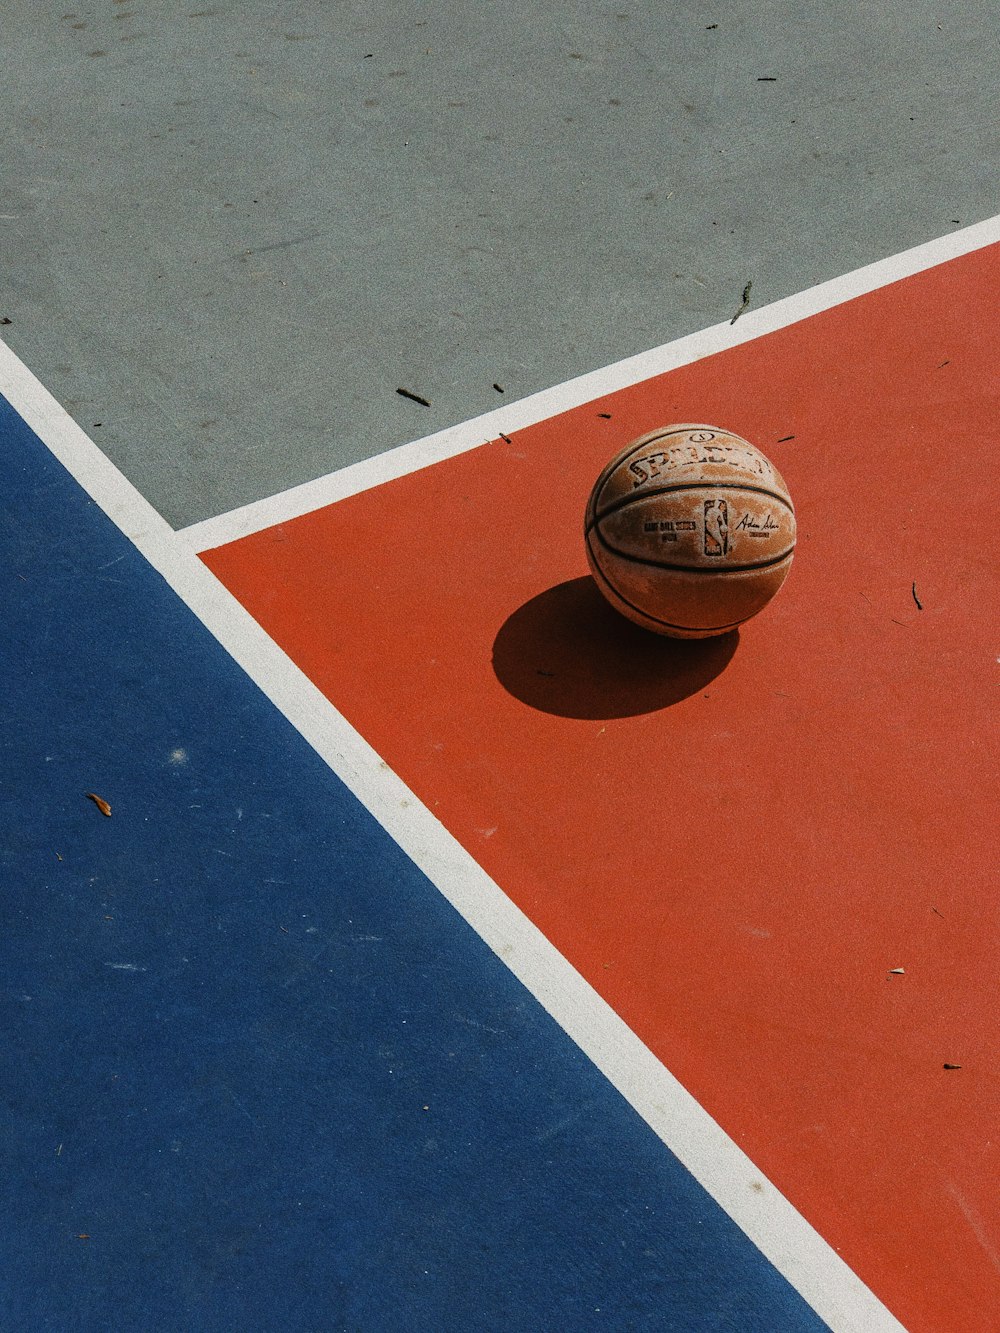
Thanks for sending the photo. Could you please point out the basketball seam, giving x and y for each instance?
(632, 498)
(667, 624)
(691, 569)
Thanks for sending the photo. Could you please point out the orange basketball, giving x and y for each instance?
(690, 531)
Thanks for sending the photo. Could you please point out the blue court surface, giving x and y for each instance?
(257, 1073)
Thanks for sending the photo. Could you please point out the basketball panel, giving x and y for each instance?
(597, 560)
(684, 600)
(663, 435)
(682, 454)
(707, 528)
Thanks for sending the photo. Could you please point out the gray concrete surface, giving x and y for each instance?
(230, 231)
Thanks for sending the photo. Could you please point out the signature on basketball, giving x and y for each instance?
(755, 528)
(685, 455)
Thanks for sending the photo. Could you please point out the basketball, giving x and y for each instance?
(690, 531)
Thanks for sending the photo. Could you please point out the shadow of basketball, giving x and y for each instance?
(567, 652)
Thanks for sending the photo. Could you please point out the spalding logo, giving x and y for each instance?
(691, 452)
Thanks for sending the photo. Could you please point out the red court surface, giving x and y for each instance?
(734, 841)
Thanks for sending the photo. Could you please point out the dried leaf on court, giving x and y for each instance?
(100, 802)
(413, 397)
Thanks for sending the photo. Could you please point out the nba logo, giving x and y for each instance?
(716, 527)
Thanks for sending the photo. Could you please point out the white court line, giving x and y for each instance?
(779, 1231)
(471, 434)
